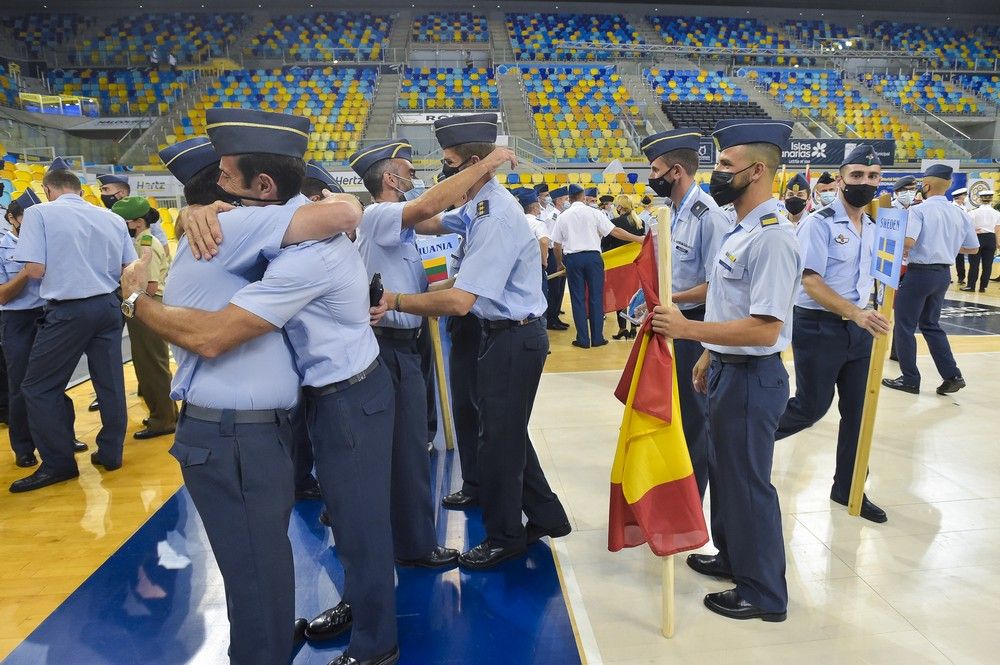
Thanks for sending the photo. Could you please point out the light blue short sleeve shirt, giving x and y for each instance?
(834, 250)
(9, 269)
(940, 229)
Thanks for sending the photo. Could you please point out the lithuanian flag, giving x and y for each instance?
(436, 269)
(654, 495)
(620, 279)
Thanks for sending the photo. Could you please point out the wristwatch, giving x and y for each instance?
(128, 305)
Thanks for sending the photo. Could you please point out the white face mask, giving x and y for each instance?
(826, 198)
(906, 197)
(564, 205)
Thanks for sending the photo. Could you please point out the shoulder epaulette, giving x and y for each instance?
(698, 209)
(482, 208)
(826, 212)
(770, 219)
(146, 240)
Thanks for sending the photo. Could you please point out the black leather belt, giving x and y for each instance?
(397, 333)
(69, 300)
(239, 417)
(337, 386)
(738, 358)
(928, 266)
(505, 324)
(820, 314)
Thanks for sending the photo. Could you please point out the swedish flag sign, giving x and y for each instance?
(890, 234)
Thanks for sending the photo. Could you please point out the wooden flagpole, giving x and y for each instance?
(666, 294)
(434, 323)
(880, 346)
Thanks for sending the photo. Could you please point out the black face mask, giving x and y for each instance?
(721, 186)
(132, 232)
(858, 196)
(661, 186)
(448, 171)
(795, 205)
(109, 200)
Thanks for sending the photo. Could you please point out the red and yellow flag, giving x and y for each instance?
(654, 495)
(620, 278)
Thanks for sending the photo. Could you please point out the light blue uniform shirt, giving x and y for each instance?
(502, 263)
(83, 247)
(940, 229)
(391, 250)
(259, 374)
(696, 230)
(834, 250)
(9, 269)
(757, 272)
(158, 233)
(318, 291)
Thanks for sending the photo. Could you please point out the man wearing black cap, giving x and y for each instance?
(697, 228)
(498, 281)
(238, 379)
(825, 191)
(318, 179)
(195, 164)
(935, 232)
(606, 202)
(747, 324)
(834, 326)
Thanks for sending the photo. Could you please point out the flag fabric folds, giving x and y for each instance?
(620, 278)
(654, 495)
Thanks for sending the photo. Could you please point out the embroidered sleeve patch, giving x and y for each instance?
(482, 208)
(769, 220)
(146, 241)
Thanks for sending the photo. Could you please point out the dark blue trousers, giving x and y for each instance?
(240, 479)
(694, 405)
(918, 304)
(70, 329)
(556, 289)
(18, 328)
(829, 353)
(745, 402)
(412, 506)
(352, 432)
(511, 480)
(585, 274)
(302, 451)
(426, 347)
(465, 333)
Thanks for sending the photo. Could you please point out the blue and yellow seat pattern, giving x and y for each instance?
(449, 88)
(928, 92)
(726, 32)
(450, 28)
(124, 91)
(49, 30)
(324, 36)
(694, 85)
(189, 37)
(551, 36)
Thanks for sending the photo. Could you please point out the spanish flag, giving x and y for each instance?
(654, 495)
(620, 278)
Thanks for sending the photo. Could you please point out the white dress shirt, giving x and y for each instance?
(580, 229)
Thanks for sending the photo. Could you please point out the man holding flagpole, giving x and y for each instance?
(832, 335)
(751, 291)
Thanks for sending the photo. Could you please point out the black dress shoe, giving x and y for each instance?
(579, 345)
(440, 557)
(94, 406)
(324, 518)
(967, 288)
(869, 510)
(24, 461)
(897, 384)
(96, 461)
(556, 326)
(40, 479)
(729, 604)
(308, 491)
(603, 342)
(488, 554)
(534, 532)
(151, 433)
(707, 564)
(299, 631)
(982, 289)
(951, 386)
(459, 501)
(79, 446)
(330, 624)
(621, 334)
(388, 658)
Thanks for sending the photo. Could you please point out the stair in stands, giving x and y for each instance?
(500, 38)
(383, 110)
(656, 119)
(517, 119)
(399, 36)
(653, 37)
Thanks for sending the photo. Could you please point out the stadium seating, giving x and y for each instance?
(324, 36)
(8, 91)
(124, 91)
(815, 34)
(699, 98)
(450, 28)
(18, 176)
(543, 36)
(449, 88)
(725, 32)
(336, 99)
(189, 37)
(45, 31)
(828, 96)
(618, 183)
(924, 92)
(955, 46)
(987, 87)
(580, 113)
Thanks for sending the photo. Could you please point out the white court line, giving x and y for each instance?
(584, 630)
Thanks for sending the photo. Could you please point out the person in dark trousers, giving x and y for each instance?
(628, 220)
(986, 221)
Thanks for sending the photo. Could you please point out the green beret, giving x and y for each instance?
(131, 207)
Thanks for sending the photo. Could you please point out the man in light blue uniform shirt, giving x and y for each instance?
(77, 251)
(936, 230)
(697, 226)
(832, 335)
(751, 291)
(498, 282)
(387, 244)
(233, 437)
(22, 313)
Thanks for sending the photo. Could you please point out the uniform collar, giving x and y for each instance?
(937, 197)
(690, 196)
(469, 209)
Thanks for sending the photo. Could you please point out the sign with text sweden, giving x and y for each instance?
(890, 234)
